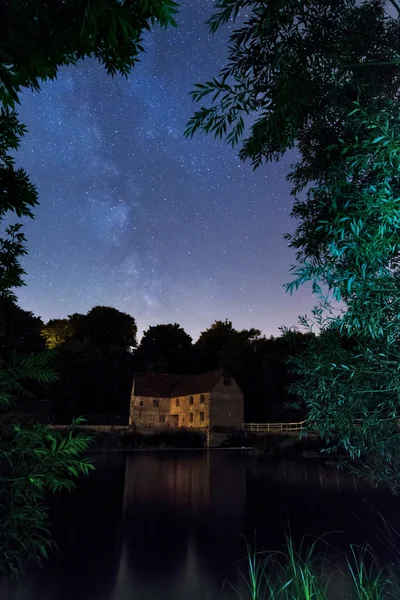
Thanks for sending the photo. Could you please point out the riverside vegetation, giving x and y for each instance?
(321, 76)
(302, 574)
(38, 38)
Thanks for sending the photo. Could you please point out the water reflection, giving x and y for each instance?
(171, 534)
(313, 474)
(168, 525)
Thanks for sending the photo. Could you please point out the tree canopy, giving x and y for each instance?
(324, 77)
(36, 39)
(165, 348)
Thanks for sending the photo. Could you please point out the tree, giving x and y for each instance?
(222, 346)
(271, 387)
(57, 332)
(258, 364)
(36, 39)
(164, 349)
(104, 326)
(94, 381)
(324, 77)
(95, 365)
(21, 329)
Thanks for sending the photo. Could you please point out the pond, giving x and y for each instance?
(172, 524)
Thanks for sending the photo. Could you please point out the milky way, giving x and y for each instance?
(134, 216)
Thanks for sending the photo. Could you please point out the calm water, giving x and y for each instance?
(169, 525)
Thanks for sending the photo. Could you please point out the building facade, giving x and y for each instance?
(205, 401)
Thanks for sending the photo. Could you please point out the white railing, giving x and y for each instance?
(263, 427)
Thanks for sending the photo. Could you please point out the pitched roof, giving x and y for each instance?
(197, 384)
(162, 385)
(158, 385)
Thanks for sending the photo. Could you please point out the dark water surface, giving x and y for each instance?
(169, 525)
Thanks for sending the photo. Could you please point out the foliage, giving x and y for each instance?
(294, 69)
(36, 38)
(34, 461)
(219, 343)
(324, 77)
(93, 381)
(39, 37)
(257, 363)
(164, 349)
(96, 379)
(104, 326)
(21, 330)
(57, 332)
(356, 214)
(293, 573)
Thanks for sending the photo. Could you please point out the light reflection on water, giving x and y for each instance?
(170, 525)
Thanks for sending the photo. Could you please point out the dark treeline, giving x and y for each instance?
(97, 353)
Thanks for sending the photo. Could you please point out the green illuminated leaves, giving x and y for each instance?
(324, 77)
(37, 39)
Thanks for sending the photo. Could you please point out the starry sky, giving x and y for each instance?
(134, 216)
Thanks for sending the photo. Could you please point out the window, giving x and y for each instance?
(201, 416)
(191, 400)
(156, 403)
(141, 403)
(227, 381)
(190, 417)
(162, 418)
(201, 398)
(177, 402)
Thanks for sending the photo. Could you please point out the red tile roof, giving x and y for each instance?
(160, 385)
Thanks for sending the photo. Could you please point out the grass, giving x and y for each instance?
(302, 574)
(370, 581)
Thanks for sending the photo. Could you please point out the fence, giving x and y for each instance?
(263, 427)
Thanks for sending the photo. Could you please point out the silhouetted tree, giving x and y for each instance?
(94, 381)
(21, 330)
(258, 364)
(164, 349)
(222, 346)
(104, 327)
(36, 39)
(95, 362)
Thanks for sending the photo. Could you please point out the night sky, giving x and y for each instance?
(134, 216)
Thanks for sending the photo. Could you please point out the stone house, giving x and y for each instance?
(202, 401)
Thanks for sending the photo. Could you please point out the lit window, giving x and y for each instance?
(177, 402)
(162, 418)
(201, 416)
(202, 399)
(156, 403)
(190, 417)
(191, 400)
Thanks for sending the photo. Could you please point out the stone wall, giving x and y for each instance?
(226, 405)
(222, 408)
(199, 410)
(150, 412)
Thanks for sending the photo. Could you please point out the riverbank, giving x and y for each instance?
(272, 444)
